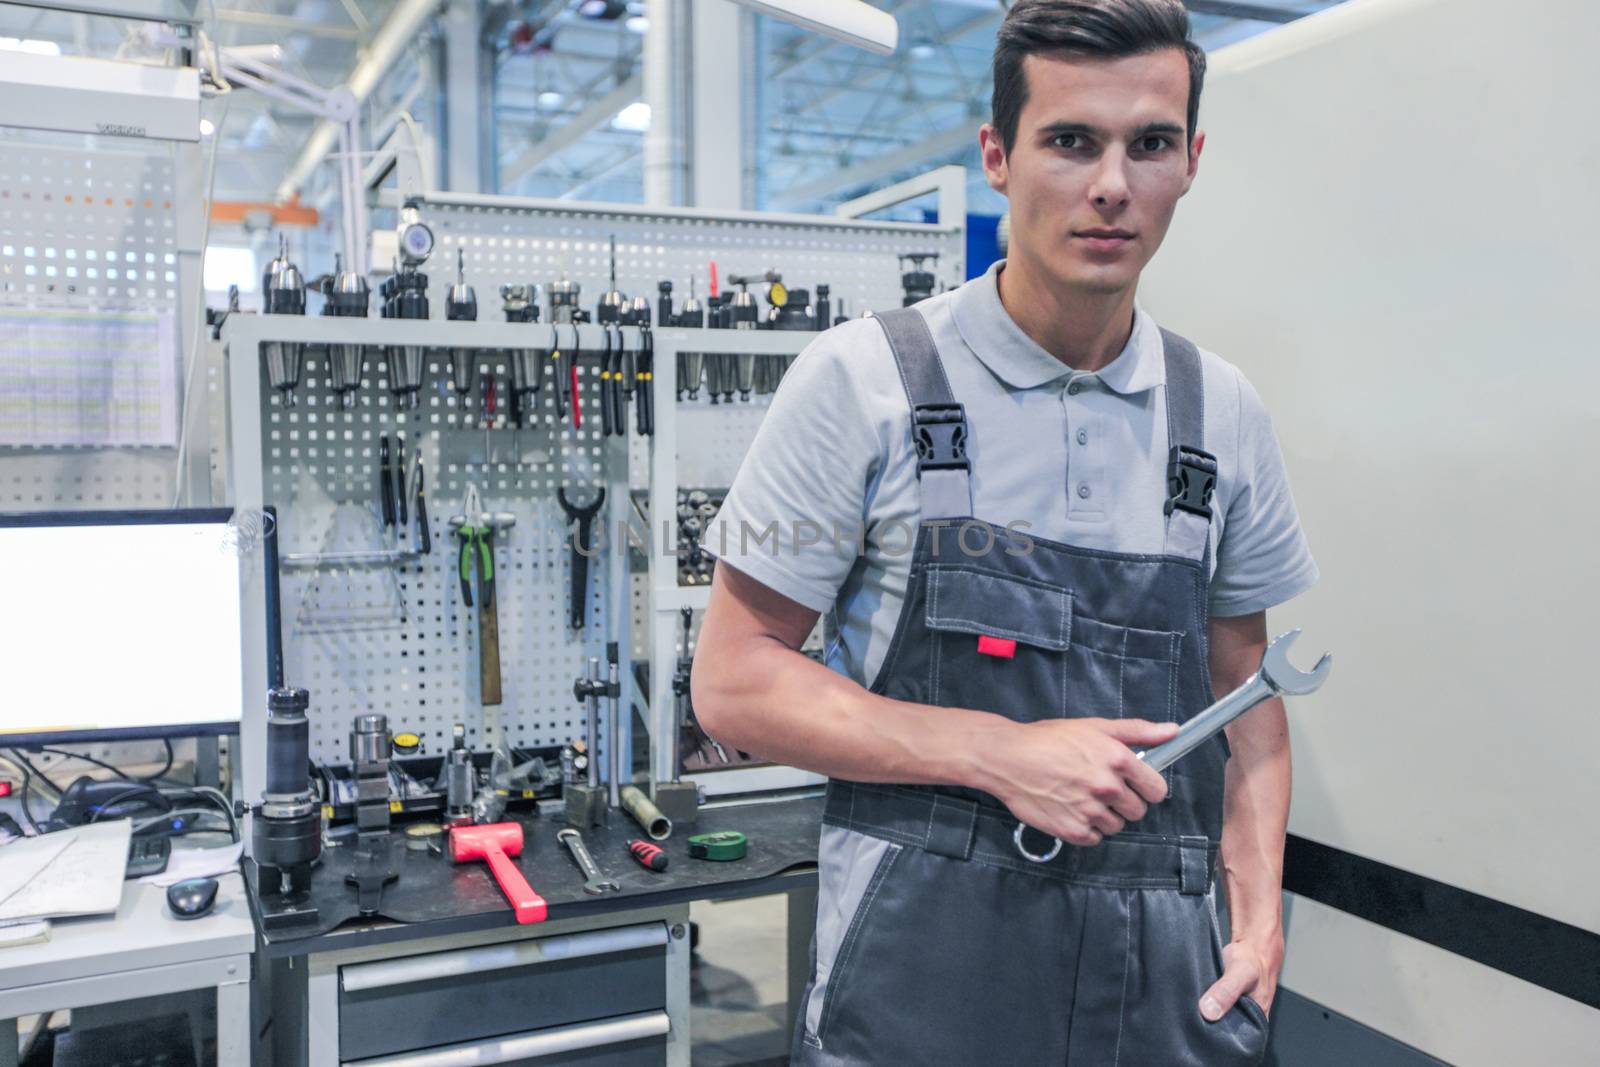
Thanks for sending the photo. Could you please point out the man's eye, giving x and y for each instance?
(1065, 140)
(1154, 143)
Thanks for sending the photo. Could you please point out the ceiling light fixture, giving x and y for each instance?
(609, 10)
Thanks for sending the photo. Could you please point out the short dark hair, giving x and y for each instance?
(1097, 29)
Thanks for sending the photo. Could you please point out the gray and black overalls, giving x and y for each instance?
(937, 941)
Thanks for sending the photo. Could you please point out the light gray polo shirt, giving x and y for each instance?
(1080, 457)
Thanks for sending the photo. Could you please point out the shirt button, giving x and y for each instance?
(1074, 389)
(1083, 491)
(1083, 437)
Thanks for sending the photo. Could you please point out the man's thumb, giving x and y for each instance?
(1138, 733)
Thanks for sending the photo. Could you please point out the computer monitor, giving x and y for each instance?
(119, 625)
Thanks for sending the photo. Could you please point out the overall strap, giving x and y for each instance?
(938, 423)
(1191, 471)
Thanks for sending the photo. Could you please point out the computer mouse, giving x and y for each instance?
(192, 897)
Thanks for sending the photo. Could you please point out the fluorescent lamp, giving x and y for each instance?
(635, 118)
(30, 46)
(850, 21)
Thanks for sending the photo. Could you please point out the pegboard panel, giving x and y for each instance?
(88, 228)
(397, 638)
(516, 244)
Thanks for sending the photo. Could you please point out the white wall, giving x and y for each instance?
(1393, 234)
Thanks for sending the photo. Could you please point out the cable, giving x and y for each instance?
(99, 763)
(162, 773)
(117, 798)
(16, 754)
(222, 802)
(27, 779)
(157, 820)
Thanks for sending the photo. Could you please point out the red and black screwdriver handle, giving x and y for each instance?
(649, 856)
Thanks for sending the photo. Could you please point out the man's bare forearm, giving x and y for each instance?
(753, 689)
(770, 700)
(1255, 821)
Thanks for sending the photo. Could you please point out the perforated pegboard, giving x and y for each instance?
(88, 228)
(511, 243)
(397, 638)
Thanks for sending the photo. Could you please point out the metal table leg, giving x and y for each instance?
(802, 928)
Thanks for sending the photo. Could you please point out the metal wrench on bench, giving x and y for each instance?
(1275, 677)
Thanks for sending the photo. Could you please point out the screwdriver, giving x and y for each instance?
(487, 399)
(649, 856)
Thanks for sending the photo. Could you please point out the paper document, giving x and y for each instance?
(80, 377)
(197, 863)
(83, 878)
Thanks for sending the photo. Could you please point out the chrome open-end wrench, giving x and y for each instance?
(1277, 676)
(596, 883)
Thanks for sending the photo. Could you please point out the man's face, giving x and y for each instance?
(1097, 168)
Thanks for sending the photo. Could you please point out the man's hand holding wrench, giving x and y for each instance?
(1140, 769)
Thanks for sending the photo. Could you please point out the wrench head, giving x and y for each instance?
(1285, 677)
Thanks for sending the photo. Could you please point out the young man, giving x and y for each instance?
(1101, 520)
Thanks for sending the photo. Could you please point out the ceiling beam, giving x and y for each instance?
(593, 116)
(393, 37)
(287, 23)
(869, 170)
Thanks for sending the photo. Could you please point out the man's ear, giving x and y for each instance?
(1194, 160)
(993, 152)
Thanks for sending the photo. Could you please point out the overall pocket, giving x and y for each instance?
(1022, 674)
(1124, 672)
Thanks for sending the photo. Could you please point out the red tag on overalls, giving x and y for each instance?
(1003, 647)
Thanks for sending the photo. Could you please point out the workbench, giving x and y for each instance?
(444, 973)
(141, 950)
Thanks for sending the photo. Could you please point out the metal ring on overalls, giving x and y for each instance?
(1016, 836)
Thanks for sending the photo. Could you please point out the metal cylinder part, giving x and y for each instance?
(369, 739)
(614, 728)
(288, 744)
(645, 813)
(591, 736)
(458, 787)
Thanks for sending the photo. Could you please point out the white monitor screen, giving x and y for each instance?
(121, 626)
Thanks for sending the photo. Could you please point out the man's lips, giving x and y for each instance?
(1104, 240)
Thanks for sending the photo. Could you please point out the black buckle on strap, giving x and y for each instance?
(940, 433)
(1191, 479)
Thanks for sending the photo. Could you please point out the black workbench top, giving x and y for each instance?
(435, 897)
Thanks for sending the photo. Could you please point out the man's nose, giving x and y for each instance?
(1110, 185)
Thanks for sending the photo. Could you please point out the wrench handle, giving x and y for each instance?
(1200, 729)
(528, 906)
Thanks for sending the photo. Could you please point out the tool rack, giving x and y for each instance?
(395, 638)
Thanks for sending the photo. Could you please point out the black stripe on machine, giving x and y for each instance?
(1549, 953)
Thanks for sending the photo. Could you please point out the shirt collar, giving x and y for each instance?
(1019, 360)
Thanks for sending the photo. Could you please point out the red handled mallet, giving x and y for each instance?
(496, 843)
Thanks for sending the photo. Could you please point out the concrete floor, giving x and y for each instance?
(738, 991)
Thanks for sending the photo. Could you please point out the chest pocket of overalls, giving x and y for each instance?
(1022, 671)
(1124, 672)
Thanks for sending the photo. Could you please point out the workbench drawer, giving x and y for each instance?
(629, 1041)
(466, 995)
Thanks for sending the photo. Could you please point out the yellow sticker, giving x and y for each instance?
(327, 812)
(396, 807)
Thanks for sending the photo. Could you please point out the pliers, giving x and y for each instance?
(477, 541)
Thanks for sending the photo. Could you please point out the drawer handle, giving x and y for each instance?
(382, 973)
(531, 1045)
